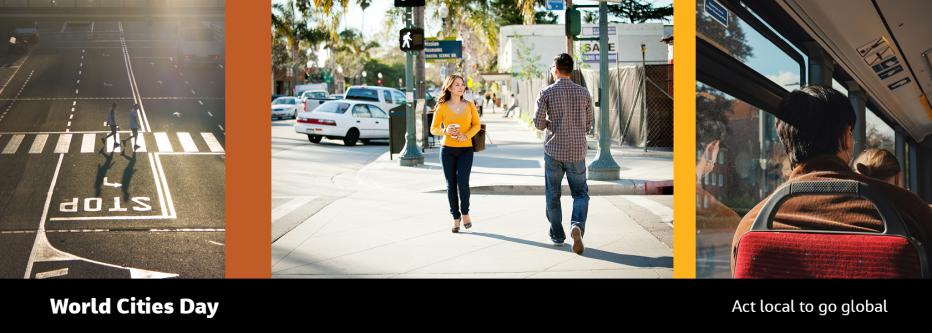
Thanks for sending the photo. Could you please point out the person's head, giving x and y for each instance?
(815, 121)
(562, 66)
(879, 164)
(453, 86)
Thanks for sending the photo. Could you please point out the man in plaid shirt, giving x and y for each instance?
(564, 109)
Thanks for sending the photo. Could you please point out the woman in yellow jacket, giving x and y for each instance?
(460, 121)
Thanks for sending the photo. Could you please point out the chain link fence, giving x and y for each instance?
(640, 108)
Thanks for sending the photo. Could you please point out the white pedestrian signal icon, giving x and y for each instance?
(411, 39)
(407, 41)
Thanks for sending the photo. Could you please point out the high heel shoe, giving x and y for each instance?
(468, 225)
(456, 228)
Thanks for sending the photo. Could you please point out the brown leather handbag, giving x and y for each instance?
(478, 141)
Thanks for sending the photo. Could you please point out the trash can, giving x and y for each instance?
(396, 129)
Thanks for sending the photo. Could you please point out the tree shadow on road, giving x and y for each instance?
(618, 258)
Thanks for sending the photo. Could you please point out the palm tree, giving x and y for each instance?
(352, 53)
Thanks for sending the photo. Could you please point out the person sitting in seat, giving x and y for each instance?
(880, 164)
(815, 126)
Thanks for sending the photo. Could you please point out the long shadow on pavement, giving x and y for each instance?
(622, 259)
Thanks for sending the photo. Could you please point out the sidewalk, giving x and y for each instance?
(397, 225)
(513, 164)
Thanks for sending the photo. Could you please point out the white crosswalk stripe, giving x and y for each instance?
(87, 143)
(38, 144)
(64, 143)
(187, 143)
(11, 143)
(140, 143)
(109, 145)
(161, 140)
(212, 142)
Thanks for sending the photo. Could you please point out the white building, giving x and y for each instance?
(519, 44)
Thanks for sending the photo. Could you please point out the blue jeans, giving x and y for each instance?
(457, 164)
(576, 176)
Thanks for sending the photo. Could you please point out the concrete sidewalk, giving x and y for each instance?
(513, 164)
(397, 223)
(404, 235)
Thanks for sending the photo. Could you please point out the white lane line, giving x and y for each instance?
(64, 26)
(210, 114)
(109, 146)
(168, 193)
(193, 92)
(200, 102)
(51, 274)
(92, 26)
(141, 142)
(64, 143)
(221, 128)
(87, 143)
(38, 144)
(215, 243)
(212, 142)
(187, 143)
(134, 88)
(16, 71)
(71, 116)
(45, 213)
(158, 186)
(73, 104)
(660, 210)
(76, 91)
(161, 140)
(13, 145)
(120, 25)
(69, 124)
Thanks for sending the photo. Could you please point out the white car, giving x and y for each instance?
(285, 107)
(347, 120)
(386, 98)
(313, 97)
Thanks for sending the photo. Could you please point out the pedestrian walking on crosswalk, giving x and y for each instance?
(134, 125)
(111, 121)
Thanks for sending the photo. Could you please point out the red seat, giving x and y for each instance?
(767, 253)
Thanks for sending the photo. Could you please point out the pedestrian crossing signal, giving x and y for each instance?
(409, 3)
(411, 39)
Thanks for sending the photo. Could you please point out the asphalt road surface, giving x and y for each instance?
(72, 205)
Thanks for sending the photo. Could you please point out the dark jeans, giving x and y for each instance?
(576, 176)
(457, 164)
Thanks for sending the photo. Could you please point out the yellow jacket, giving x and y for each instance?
(468, 121)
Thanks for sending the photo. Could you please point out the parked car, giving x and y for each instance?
(347, 120)
(199, 46)
(22, 37)
(386, 98)
(285, 107)
(336, 96)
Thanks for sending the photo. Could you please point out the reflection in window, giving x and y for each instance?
(730, 146)
(879, 134)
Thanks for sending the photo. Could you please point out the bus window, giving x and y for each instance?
(737, 166)
(747, 45)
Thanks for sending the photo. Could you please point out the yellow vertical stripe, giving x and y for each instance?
(684, 141)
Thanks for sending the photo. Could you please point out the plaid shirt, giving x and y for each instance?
(565, 108)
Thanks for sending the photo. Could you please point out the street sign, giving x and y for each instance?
(443, 49)
(409, 3)
(717, 12)
(555, 5)
(411, 39)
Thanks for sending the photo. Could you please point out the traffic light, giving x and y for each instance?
(409, 3)
(573, 22)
